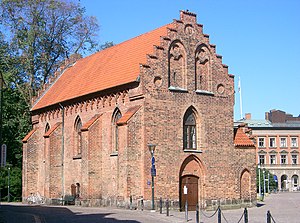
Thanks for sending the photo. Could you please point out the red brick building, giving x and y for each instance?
(93, 121)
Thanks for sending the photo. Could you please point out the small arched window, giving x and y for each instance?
(78, 136)
(47, 127)
(189, 130)
(115, 130)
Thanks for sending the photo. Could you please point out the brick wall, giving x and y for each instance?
(182, 73)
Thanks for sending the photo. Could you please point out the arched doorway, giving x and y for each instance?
(245, 184)
(189, 184)
(283, 181)
(295, 182)
(189, 192)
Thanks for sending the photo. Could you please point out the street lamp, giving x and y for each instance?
(153, 171)
(268, 182)
(8, 195)
(264, 181)
(259, 188)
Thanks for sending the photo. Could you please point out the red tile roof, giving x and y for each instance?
(130, 112)
(109, 68)
(48, 133)
(241, 139)
(87, 125)
(28, 135)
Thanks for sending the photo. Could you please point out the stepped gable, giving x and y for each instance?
(114, 66)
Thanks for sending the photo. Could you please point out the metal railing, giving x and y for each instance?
(219, 214)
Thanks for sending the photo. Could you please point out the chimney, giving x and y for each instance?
(267, 116)
(248, 116)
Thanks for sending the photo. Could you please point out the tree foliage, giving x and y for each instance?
(106, 45)
(14, 178)
(41, 34)
(36, 36)
(260, 181)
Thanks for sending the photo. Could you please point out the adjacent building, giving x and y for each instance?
(94, 122)
(277, 146)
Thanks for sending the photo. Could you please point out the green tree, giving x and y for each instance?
(36, 37)
(41, 34)
(106, 45)
(272, 183)
(14, 179)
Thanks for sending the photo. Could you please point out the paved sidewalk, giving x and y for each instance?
(284, 207)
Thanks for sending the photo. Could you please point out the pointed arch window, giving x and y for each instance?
(78, 136)
(47, 127)
(189, 130)
(115, 130)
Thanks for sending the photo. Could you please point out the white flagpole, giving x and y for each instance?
(240, 92)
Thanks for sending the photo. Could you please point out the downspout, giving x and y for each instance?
(62, 151)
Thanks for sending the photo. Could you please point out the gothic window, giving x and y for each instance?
(202, 69)
(47, 127)
(115, 130)
(78, 136)
(177, 66)
(189, 130)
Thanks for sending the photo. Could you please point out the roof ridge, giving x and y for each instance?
(128, 40)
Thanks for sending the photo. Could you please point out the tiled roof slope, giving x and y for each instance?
(241, 139)
(87, 125)
(28, 135)
(109, 68)
(49, 132)
(125, 118)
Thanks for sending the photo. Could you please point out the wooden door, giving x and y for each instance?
(188, 192)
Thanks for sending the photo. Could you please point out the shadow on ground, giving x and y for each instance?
(28, 214)
(259, 204)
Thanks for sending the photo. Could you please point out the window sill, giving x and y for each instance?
(205, 92)
(77, 157)
(262, 147)
(171, 88)
(192, 151)
(115, 153)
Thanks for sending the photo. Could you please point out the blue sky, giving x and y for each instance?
(258, 39)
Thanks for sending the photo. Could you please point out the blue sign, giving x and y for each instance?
(153, 172)
(275, 178)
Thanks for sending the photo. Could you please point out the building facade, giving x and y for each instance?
(93, 123)
(277, 147)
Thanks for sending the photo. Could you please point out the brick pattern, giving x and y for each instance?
(183, 72)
